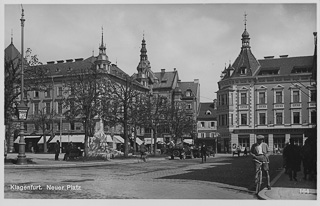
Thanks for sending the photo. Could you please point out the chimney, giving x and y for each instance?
(163, 70)
(60, 61)
(69, 60)
(283, 56)
(196, 81)
(269, 57)
(51, 62)
(79, 59)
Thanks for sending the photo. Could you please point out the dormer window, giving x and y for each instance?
(188, 93)
(57, 70)
(208, 112)
(69, 69)
(243, 70)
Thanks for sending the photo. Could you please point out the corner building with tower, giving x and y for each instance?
(273, 97)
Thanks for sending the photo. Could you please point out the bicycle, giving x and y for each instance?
(258, 177)
(144, 157)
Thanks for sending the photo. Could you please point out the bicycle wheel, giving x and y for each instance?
(259, 181)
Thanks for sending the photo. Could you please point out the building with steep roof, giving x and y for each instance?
(207, 124)
(273, 97)
(167, 84)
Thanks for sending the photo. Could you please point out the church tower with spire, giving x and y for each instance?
(145, 75)
(102, 62)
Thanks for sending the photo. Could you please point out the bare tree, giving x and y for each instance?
(83, 92)
(33, 75)
(119, 104)
(179, 121)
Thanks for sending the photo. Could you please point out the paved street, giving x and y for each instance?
(220, 178)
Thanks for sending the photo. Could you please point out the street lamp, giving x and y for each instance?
(22, 113)
(22, 108)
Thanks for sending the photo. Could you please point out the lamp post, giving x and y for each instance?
(22, 108)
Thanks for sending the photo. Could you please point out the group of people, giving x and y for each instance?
(57, 150)
(293, 155)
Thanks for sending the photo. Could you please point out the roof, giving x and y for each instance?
(285, 64)
(12, 53)
(71, 66)
(204, 107)
(245, 59)
(165, 79)
(184, 86)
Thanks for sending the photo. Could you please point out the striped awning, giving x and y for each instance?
(138, 141)
(118, 139)
(67, 138)
(26, 137)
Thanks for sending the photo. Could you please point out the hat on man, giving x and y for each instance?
(260, 137)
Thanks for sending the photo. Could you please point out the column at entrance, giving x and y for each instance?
(271, 142)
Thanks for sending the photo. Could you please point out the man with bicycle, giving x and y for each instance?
(260, 153)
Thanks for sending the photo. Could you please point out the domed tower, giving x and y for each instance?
(145, 75)
(102, 62)
(245, 64)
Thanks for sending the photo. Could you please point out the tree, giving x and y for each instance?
(119, 104)
(42, 120)
(83, 92)
(179, 121)
(33, 75)
(154, 113)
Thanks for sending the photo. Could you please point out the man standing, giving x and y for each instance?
(293, 159)
(260, 151)
(203, 153)
(57, 150)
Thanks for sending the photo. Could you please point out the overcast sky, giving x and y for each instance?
(197, 39)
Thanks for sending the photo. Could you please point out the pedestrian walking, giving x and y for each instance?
(245, 152)
(308, 155)
(292, 156)
(238, 151)
(56, 150)
(203, 153)
(68, 150)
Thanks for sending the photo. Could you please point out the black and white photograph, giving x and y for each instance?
(159, 101)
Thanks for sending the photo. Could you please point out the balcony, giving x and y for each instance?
(243, 107)
(313, 104)
(295, 105)
(262, 106)
(278, 106)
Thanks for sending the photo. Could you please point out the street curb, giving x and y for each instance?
(76, 164)
(262, 195)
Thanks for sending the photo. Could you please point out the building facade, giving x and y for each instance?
(273, 97)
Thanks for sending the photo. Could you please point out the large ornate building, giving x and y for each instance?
(273, 97)
(58, 72)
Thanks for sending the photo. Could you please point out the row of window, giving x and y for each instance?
(209, 124)
(46, 109)
(47, 93)
(72, 126)
(223, 120)
(223, 99)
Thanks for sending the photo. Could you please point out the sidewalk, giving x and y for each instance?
(284, 189)
(42, 161)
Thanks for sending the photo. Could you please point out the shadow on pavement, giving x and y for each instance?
(237, 171)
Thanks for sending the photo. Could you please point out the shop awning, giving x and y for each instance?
(138, 141)
(41, 140)
(118, 139)
(109, 139)
(188, 141)
(26, 137)
(68, 138)
(148, 140)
